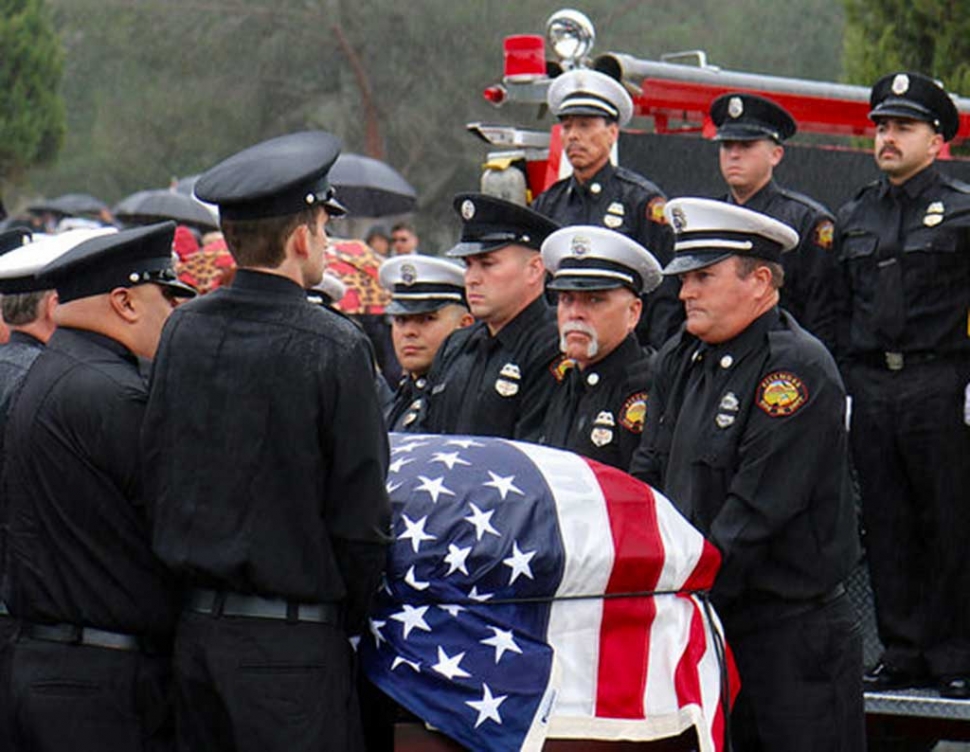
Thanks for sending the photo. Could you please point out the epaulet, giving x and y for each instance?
(629, 176)
(954, 183)
(868, 186)
(811, 203)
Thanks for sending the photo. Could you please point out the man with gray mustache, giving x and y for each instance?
(599, 406)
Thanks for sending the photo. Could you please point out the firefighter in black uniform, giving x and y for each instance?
(905, 249)
(265, 455)
(90, 668)
(592, 108)
(599, 408)
(427, 304)
(751, 131)
(496, 377)
(745, 434)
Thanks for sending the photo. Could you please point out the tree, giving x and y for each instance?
(929, 36)
(31, 108)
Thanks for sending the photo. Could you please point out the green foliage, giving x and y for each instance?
(31, 109)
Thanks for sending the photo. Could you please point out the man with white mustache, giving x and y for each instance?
(599, 406)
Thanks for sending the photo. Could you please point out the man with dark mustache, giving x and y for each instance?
(905, 252)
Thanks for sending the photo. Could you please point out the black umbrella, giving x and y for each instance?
(371, 188)
(71, 205)
(146, 207)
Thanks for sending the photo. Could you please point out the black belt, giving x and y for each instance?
(897, 361)
(228, 603)
(71, 634)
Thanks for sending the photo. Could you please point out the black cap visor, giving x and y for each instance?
(904, 108)
(747, 132)
(690, 261)
(414, 306)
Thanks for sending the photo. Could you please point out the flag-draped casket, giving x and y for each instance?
(532, 593)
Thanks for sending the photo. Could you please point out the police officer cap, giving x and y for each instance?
(748, 117)
(117, 259)
(19, 266)
(917, 97)
(588, 92)
(420, 284)
(490, 223)
(586, 257)
(709, 231)
(329, 290)
(275, 178)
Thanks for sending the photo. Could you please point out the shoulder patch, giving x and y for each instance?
(824, 234)
(560, 367)
(781, 393)
(634, 412)
(655, 210)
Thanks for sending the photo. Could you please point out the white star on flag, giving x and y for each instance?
(449, 458)
(375, 630)
(519, 563)
(451, 608)
(463, 443)
(411, 580)
(501, 641)
(391, 487)
(412, 618)
(415, 532)
(398, 660)
(455, 559)
(395, 467)
(480, 597)
(482, 522)
(504, 485)
(487, 707)
(434, 487)
(410, 447)
(448, 665)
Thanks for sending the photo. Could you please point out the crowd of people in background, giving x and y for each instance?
(194, 502)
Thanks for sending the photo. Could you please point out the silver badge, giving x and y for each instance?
(409, 275)
(467, 209)
(616, 208)
(510, 371)
(900, 84)
(595, 189)
(935, 208)
(727, 361)
(678, 219)
(932, 220)
(730, 402)
(409, 419)
(605, 418)
(724, 420)
(735, 107)
(580, 245)
(506, 388)
(612, 221)
(601, 436)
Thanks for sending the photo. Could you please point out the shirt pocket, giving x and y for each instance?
(859, 246)
(931, 263)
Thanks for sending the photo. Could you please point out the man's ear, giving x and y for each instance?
(122, 302)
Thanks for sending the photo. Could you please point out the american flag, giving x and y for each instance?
(514, 606)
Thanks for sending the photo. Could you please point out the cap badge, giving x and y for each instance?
(510, 371)
(580, 246)
(735, 107)
(678, 219)
(467, 209)
(409, 275)
(900, 84)
(601, 436)
(612, 221)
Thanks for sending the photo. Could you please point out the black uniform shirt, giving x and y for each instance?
(810, 292)
(598, 412)
(624, 201)
(16, 358)
(409, 404)
(905, 254)
(265, 449)
(80, 550)
(496, 386)
(748, 440)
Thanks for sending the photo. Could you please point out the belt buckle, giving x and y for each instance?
(895, 361)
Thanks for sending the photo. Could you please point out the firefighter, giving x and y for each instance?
(904, 245)
(427, 304)
(600, 276)
(496, 377)
(592, 108)
(745, 434)
(751, 131)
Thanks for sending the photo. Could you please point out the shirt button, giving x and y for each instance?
(595, 188)
(593, 379)
(727, 361)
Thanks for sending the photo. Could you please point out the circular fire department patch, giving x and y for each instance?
(634, 412)
(781, 393)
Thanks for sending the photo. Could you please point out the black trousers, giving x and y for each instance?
(801, 683)
(912, 452)
(74, 697)
(262, 685)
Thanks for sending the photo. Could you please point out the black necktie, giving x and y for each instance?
(890, 303)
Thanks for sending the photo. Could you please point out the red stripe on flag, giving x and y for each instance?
(687, 682)
(702, 578)
(638, 562)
